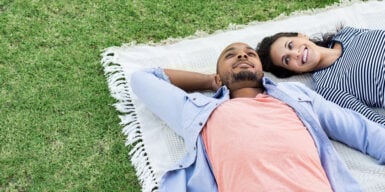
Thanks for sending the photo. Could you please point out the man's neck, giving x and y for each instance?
(246, 92)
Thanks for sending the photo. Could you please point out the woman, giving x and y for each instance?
(347, 67)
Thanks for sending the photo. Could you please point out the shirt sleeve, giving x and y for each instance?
(165, 100)
(347, 100)
(351, 128)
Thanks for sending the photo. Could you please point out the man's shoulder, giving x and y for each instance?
(296, 90)
(290, 84)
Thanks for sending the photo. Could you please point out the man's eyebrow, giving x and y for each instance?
(250, 48)
(233, 48)
(229, 49)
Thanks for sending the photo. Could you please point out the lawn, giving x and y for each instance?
(59, 130)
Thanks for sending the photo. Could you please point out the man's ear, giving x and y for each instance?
(218, 81)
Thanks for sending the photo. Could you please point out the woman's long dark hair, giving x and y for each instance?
(264, 48)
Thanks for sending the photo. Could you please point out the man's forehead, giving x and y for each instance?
(231, 47)
(235, 46)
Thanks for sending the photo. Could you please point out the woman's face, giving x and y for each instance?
(297, 54)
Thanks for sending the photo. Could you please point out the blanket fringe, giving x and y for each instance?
(119, 89)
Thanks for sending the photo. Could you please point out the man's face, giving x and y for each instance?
(239, 67)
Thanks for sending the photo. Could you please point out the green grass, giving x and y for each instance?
(59, 131)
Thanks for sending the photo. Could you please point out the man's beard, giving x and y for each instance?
(244, 76)
(241, 76)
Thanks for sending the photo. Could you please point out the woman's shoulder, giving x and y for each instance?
(353, 29)
(348, 33)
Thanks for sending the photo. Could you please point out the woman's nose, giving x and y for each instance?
(295, 53)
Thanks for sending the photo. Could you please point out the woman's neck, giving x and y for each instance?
(330, 55)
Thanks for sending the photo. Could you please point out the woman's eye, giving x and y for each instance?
(290, 45)
(287, 59)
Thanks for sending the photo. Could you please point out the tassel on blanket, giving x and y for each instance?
(119, 89)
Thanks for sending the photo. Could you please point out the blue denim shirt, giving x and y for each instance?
(187, 113)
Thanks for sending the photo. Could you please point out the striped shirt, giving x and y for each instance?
(357, 79)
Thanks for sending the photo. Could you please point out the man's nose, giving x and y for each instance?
(242, 56)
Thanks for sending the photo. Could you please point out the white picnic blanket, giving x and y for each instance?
(155, 147)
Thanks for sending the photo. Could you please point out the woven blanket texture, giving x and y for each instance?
(155, 147)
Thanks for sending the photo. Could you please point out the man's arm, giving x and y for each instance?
(165, 100)
(192, 81)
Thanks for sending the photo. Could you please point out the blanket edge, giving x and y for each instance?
(120, 91)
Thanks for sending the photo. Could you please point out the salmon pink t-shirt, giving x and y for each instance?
(259, 144)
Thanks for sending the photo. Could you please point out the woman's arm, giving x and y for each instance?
(347, 100)
(351, 128)
(192, 81)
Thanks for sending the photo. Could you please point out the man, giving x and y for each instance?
(253, 134)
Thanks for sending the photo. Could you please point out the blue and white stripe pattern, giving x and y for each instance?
(357, 79)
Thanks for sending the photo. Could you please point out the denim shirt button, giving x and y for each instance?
(180, 166)
(200, 123)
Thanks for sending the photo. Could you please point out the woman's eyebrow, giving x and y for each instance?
(283, 59)
(283, 56)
